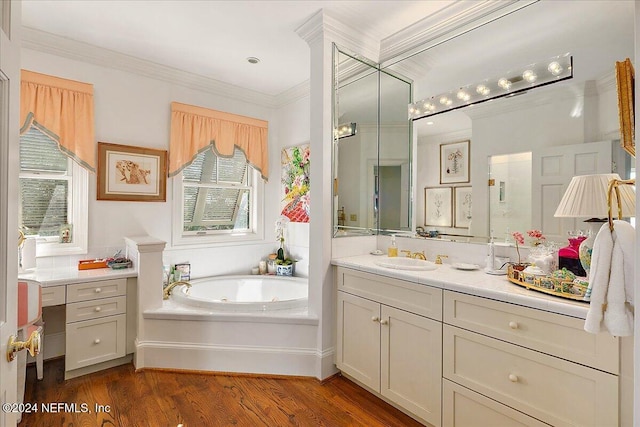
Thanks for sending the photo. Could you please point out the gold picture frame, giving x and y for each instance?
(131, 174)
(454, 162)
(626, 95)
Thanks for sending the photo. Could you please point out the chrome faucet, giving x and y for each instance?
(167, 290)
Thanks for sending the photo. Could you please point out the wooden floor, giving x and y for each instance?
(166, 399)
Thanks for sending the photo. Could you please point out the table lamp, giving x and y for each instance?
(586, 197)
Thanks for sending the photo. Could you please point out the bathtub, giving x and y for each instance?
(244, 293)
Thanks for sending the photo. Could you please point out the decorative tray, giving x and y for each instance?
(90, 264)
(561, 283)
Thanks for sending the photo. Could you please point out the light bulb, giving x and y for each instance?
(429, 106)
(483, 90)
(462, 95)
(555, 68)
(504, 83)
(529, 76)
(445, 101)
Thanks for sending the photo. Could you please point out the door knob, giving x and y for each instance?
(32, 345)
(384, 322)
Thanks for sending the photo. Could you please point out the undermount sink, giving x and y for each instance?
(406, 264)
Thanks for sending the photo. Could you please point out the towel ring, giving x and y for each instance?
(613, 186)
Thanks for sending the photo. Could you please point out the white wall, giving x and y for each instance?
(132, 109)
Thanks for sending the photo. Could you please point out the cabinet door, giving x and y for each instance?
(358, 346)
(411, 362)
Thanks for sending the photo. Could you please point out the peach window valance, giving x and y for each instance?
(64, 110)
(194, 129)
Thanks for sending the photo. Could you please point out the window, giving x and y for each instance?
(53, 193)
(218, 198)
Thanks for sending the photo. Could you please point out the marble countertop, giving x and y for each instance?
(67, 276)
(474, 282)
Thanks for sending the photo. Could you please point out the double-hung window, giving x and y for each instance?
(52, 196)
(219, 198)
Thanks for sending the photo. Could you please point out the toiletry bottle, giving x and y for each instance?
(491, 256)
(393, 249)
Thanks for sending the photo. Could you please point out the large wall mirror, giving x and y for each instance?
(540, 138)
(371, 148)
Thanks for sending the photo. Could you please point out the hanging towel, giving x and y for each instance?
(611, 280)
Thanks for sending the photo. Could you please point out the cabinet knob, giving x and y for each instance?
(96, 341)
(513, 378)
(384, 322)
(375, 319)
(98, 309)
(98, 290)
(513, 325)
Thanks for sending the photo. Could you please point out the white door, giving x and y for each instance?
(553, 168)
(9, 118)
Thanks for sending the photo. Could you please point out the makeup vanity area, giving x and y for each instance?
(89, 316)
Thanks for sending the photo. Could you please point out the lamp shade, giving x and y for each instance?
(586, 197)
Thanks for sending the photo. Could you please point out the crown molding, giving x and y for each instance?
(444, 24)
(324, 25)
(72, 49)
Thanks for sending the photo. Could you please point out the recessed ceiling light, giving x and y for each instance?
(253, 60)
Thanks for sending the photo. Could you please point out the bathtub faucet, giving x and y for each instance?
(167, 290)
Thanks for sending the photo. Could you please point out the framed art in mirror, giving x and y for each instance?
(133, 174)
(454, 162)
(438, 206)
(625, 84)
(462, 204)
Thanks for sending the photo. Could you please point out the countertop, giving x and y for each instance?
(67, 276)
(474, 282)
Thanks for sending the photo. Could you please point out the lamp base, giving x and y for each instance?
(586, 247)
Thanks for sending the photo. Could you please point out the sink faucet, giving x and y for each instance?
(167, 290)
(407, 252)
(418, 255)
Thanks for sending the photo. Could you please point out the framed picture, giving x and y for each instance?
(437, 206)
(462, 207)
(132, 174)
(454, 162)
(625, 83)
(295, 164)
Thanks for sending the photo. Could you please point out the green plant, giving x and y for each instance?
(287, 261)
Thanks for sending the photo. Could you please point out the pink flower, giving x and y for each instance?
(536, 234)
(518, 237)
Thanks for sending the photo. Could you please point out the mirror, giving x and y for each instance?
(550, 122)
(372, 168)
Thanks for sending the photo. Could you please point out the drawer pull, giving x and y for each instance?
(98, 290)
(384, 322)
(513, 378)
(375, 319)
(96, 341)
(97, 309)
(513, 325)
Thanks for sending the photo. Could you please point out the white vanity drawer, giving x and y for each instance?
(462, 407)
(53, 295)
(92, 290)
(419, 299)
(95, 341)
(94, 309)
(550, 333)
(550, 389)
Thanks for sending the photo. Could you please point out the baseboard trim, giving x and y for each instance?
(237, 360)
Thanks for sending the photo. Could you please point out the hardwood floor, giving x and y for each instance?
(166, 399)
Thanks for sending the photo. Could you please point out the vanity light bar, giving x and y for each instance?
(346, 130)
(541, 73)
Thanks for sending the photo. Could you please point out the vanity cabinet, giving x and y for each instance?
(96, 324)
(390, 340)
(526, 366)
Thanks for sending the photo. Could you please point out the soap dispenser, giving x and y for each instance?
(491, 255)
(393, 249)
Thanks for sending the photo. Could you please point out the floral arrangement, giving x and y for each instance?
(519, 238)
(295, 179)
(537, 238)
(281, 224)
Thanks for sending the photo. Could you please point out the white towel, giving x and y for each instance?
(611, 280)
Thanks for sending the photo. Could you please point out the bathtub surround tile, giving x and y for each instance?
(356, 245)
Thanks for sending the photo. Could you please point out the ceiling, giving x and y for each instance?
(214, 38)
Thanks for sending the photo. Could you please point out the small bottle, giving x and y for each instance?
(393, 249)
(491, 256)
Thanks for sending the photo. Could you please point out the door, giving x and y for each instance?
(358, 342)
(9, 118)
(411, 362)
(553, 168)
